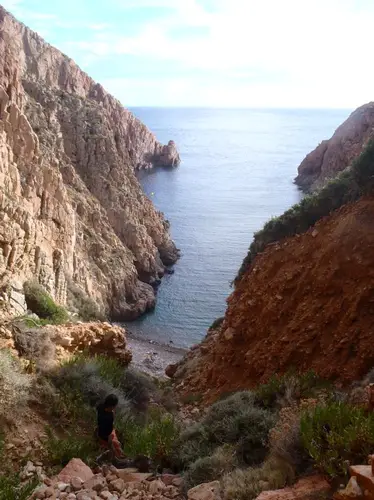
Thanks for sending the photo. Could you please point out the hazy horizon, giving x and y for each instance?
(215, 53)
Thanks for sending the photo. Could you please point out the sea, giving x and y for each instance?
(237, 171)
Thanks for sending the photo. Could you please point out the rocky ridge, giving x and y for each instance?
(334, 155)
(72, 209)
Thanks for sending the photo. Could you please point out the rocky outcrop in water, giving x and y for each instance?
(71, 207)
(336, 154)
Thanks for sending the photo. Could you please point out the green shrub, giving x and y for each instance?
(42, 304)
(211, 468)
(92, 379)
(246, 484)
(235, 420)
(348, 186)
(283, 390)
(336, 433)
(79, 302)
(216, 323)
(155, 439)
(11, 488)
(60, 450)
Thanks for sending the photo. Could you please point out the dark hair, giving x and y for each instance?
(111, 401)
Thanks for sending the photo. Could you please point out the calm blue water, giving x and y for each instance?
(237, 171)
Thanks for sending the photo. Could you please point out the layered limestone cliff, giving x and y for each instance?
(305, 303)
(336, 154)
(71, 206)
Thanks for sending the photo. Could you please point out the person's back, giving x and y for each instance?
(105, 422)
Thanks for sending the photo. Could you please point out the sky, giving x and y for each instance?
(216, 53)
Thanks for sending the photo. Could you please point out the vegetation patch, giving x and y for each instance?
(284, 390)
(246, 484)
(336, 434)
(15, 387)
(348, 186)
(235, 420)
(42, 304)
(79, 302)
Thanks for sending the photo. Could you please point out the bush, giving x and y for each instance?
(246, 484)
(60, 451)
(284, 390)
(285, 440)
(85, 377)
(34, 344)
(211, 468)
(348, 186)
(155, 439)
(337, 433)
(216, 323)
(79, 302)
(235, 420)
(42, 304)
(11, 488)
(15, 386)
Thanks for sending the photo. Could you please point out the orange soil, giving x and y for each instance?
(305, 303)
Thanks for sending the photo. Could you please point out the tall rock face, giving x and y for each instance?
(71, 206)
(306, 303)
(337, 153)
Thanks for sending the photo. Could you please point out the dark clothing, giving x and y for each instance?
(105, 420)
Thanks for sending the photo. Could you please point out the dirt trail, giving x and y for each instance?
(305, 303)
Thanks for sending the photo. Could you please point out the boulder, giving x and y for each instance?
(365, 479)
(205, 491)
(96, 483)
(75, 469)
(350, 492)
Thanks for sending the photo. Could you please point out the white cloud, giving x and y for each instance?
(298, 53)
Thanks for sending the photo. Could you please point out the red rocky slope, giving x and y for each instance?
(305, 303)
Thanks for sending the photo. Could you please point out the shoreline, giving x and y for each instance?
(152, 357)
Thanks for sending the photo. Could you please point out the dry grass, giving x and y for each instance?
(15, 387)
(246, 484)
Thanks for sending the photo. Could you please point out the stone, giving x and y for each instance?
(75, 468)
(71, 496)
(314, 233)
(49, 492)
(171, 369)
(156, 487)
(229, 334)
(178, 482)
(118, 485)
(40, 492)
(62, 486)
(133, 476)
(205, 491)
(76, 483)
(351, 491)
(96, 483)
(364, 478)
(168, 479)
(106, 495)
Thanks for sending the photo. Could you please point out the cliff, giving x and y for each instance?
(72, 209)
(303, 299)
(336, 154)
(306, 303)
